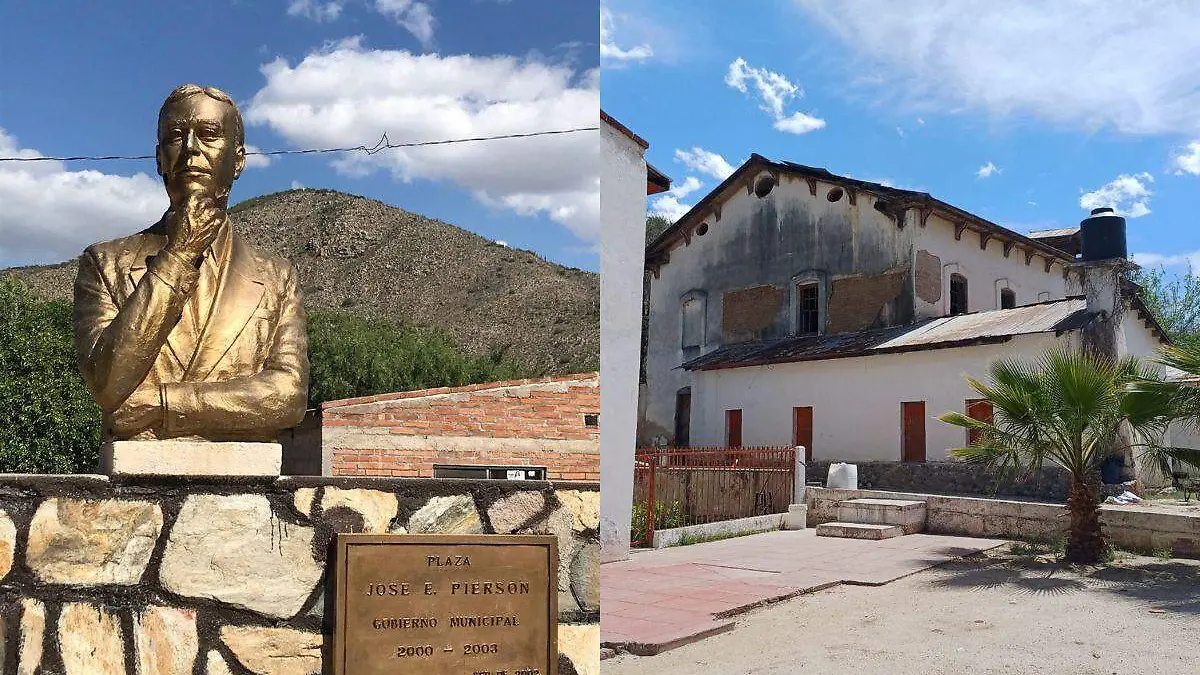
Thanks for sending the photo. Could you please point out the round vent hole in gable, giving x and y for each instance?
(763, 186)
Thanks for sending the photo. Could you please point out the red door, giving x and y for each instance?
(733, 428)
(912, 422)
(802, 430)
(978, 409)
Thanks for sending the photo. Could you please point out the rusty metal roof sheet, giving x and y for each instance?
(953, 331)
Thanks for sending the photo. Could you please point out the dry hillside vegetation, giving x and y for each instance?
(364, 257)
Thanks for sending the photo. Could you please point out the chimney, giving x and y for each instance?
(1103, 269)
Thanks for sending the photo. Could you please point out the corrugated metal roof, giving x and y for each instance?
(953, 331)
(1061, 232)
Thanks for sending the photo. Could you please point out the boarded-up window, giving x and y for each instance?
(808, 308)
(693, 322)
(958, 294)
(978, 409)
(1008, 299)
(733, 428)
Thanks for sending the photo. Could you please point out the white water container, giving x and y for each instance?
(842, 476)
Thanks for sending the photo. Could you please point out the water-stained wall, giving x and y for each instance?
(747, 263)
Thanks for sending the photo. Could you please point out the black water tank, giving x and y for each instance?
(1102, 235)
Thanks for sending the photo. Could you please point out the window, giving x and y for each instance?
(958, 294)
(733, 428)
(978, 409)
(692, 316)
(808, 308)
(1008, 299)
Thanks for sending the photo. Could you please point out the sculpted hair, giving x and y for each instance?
(187, 90)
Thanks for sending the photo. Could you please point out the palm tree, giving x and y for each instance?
(1065, 408)
(1154, 403)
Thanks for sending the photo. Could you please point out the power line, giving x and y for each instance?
(382, 144)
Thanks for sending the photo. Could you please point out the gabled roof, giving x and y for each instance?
(897, 200)
(963, 330)
(656, 181)
(611, 121)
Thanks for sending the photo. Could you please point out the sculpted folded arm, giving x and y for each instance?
(270, 401)
(117, 346)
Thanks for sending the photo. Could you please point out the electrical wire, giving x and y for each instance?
(382, 144)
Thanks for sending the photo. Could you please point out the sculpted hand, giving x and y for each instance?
(138, 412)
(192, 227)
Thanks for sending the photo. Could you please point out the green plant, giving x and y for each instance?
(1066, 408)
(666, 517)
(49, 422)
(1164, 553)
(352, 356)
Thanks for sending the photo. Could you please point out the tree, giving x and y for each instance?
(656, 224)
(1173, 300)
(351, 356)
(1155, 402)
(49, 422)
(1065, 408)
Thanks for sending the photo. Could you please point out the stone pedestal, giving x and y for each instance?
(190, 458)
(796, 518)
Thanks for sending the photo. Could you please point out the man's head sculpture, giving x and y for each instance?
(201, 143)
(185, 330)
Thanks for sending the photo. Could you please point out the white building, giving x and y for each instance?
(795, 306)
(625, 181)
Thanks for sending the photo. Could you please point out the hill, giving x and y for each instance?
(370, 259)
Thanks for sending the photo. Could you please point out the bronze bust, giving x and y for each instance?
(183, 330)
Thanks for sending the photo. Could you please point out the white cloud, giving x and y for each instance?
(297, 185)
(413, 16)
(346, 95)
(502, 243)
(668, 204)
(1188, 161)
(705, 162)
(52, 213)
(315, 10)
(799, 123)
(1160, 260)
(608, 46)
(1131, 65)
(1128, 194)
(774, 91)
(256, 161)
(986, 170)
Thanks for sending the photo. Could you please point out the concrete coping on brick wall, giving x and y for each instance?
(84, 481)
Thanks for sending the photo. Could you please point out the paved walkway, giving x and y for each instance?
(661, 599)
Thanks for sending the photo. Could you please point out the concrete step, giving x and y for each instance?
(908, 514)
(859, 530)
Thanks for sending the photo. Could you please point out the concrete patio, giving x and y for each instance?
(662, 599)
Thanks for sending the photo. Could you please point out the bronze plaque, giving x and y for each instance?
(446, 604)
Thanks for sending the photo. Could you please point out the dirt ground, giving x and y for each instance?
(998, 612)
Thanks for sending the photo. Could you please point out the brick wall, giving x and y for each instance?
(542, 422)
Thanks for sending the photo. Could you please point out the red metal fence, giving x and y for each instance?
(674, 487)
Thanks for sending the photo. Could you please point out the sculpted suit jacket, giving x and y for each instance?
(240, 372)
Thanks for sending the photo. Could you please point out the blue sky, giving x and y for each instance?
(1021, 112)
(307, 74)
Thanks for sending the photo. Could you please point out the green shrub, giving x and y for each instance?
(49, 422)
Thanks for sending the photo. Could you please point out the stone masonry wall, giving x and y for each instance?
(952, 478)
(99, 577)
(551, 422)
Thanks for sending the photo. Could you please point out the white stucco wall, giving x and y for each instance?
(622, 258)
(988, 270)
(856, 401)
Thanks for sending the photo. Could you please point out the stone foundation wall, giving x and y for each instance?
(951, 478)
(189, 578)
(1146, 529)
